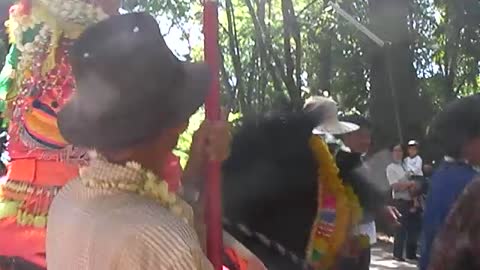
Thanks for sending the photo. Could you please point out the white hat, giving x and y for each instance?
(329, 111)
(412, 143)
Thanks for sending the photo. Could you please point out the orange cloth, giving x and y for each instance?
(25, 242)
(52, 173)
(236, 259)
(41, 172)
(28, 242)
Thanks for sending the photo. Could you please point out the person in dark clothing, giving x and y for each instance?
(456, 131)
(351, 166)
(457, 246)
(358, 144)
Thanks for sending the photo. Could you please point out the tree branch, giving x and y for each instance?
(263, 45)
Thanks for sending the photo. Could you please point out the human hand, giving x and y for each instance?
(391, 215)
(427, 168)
(211, 142)
(416, 189)
(406, 185)
(412, 184)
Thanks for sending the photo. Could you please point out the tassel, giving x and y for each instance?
(50, 61)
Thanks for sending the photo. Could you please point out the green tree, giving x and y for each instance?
(276, 53)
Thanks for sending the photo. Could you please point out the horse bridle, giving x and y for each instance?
(268, 243)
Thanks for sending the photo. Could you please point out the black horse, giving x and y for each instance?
(270, 185)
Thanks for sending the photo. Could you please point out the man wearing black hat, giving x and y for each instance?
(118, 213)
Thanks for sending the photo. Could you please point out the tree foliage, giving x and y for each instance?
(276, 53)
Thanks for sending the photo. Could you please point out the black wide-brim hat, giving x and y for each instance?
(129, 85)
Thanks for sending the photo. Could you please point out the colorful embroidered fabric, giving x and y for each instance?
(34, 100)
(338, 211)
(35, 83)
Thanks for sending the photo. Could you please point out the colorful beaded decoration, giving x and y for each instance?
(36, 82)
(338, 211)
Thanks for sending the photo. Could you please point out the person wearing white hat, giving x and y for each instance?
(355, 140)
(326, 110)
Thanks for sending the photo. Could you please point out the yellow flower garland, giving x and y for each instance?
(338, 210)
(133, 178)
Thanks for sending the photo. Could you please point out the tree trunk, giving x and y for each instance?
(291, 31)
(325, 66)
(395, 63)
(234, 49)
(265, 46)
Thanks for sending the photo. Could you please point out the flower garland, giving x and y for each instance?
(18, 23)
(56, 18)
(338, 210)
(132, 178)
(32, 50)
(74, 11)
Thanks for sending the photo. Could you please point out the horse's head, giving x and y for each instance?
(271, 183)
(270, 179)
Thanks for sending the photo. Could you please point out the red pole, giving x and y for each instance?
(212, 107)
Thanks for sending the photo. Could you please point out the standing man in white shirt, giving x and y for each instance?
(406, 235)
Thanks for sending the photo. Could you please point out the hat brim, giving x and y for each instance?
(195, 90)
(128, 126)
(335, 128)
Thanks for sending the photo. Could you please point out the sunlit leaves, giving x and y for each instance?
(444, 36)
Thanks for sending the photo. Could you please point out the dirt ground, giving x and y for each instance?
(382, 259)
